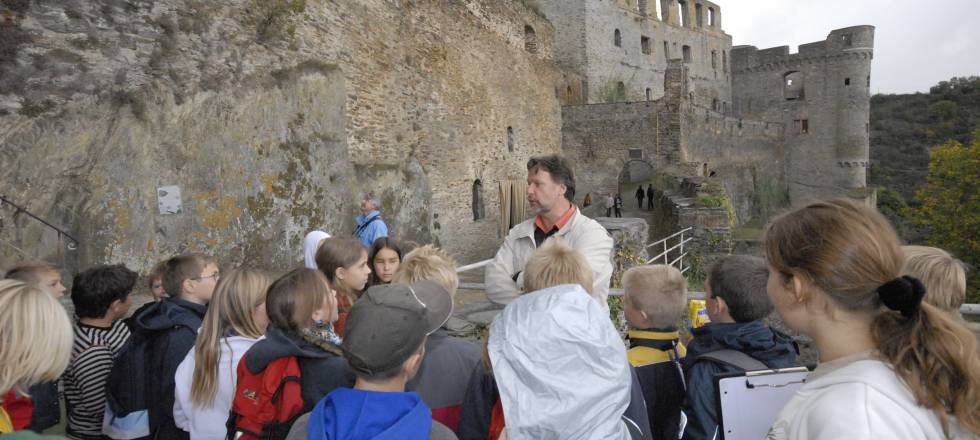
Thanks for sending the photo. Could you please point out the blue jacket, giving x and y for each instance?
(367, 231)
(753, 338)
(356, 414)
(47, 408)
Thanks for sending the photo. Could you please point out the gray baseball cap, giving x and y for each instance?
(389, 322)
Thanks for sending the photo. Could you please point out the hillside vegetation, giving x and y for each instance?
(933, 204)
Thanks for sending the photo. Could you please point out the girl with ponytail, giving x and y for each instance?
(206, 379)
(891, 365)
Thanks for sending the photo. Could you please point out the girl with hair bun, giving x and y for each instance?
(892, 366)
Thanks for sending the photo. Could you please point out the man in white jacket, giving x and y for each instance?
(550, 191)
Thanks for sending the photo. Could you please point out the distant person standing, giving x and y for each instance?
(618, 204)
(640, 195)
(610, 202)
(587, 201)
(649, 197)
(370, 225)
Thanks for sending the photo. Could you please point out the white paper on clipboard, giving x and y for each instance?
(750, 402)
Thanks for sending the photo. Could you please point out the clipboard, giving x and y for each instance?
(750, 401)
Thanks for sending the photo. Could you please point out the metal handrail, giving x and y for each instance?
(669, 237)
(71, 246)
(470, 267)
(665, 252)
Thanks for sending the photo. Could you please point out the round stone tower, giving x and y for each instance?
(848, 70)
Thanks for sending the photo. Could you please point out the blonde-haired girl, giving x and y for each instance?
(206, 379)
(30, 319)
(892, 366)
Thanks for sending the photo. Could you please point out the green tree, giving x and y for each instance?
(948, 205)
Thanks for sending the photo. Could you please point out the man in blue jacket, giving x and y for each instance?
(736, 301)
(370, 225)
(384, 344)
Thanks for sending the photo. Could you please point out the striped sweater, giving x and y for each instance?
(85, 379)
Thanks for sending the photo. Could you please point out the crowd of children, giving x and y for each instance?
(354, 344)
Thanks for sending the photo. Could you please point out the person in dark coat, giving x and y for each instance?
(640, 195)
(736, 301)
(649, 197)
(618, 205)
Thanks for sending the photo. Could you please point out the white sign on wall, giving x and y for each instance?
(168, 199)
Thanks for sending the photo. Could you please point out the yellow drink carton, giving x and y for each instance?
(697, 312)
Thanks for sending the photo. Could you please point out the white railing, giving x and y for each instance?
(664, 256)
(470, 267)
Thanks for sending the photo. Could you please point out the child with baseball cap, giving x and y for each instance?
(384, 345)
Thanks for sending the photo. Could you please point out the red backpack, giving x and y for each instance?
(266, 404)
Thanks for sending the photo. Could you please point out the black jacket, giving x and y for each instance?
(320, 371)
(754, 338)
(179, 321)
(47, 409)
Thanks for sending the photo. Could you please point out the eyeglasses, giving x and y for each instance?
(216, 275)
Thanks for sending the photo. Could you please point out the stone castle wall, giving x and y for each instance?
(585, 41)
(829, 155)
(272, 117)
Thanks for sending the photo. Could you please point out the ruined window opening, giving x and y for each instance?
(793, 86)
(479, 211)
(711, 17)
(621, 90)
(530, 40)
(714, 59)
(687, 53)
(617, 38)
(666, 51)
(636, 153)
(510, 139)
(655, 12)
(847, 81)
(698, 15)
(803, 125)
(645, 45)
(641, 7)
(847, 39)
(724, 61)
(649, 94)
(682, 12)
(869, 81)
(714, 104)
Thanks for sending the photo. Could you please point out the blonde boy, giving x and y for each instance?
(654, 301)
(556, 263)
(448, 361)
(44, 275)
(943, 275)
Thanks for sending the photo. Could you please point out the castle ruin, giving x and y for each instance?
(272, 117)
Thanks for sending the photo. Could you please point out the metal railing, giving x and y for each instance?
(679, 247)
(72, 244)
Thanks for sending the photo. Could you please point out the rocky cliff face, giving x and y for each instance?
(271, 116)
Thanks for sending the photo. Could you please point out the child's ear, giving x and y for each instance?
(340, 273)
(115, 306)
(645, 317)
(186, 286)
(799, 289)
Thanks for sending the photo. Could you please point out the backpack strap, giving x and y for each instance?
(735, 359)
(365, 225)
(634, 429)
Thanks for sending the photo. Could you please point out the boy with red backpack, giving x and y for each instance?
(285, 374)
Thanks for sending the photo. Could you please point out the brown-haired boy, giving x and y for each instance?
(42, 274)
(654, 300)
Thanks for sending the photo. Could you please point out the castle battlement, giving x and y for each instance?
(850, 43)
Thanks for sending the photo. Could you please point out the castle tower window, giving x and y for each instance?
(714, 59)
(641, 7)
(530, 40)
(847, 81)
(510, 139)
(687, 53)
(869, 81)
(649, 94)
(698, 15)
(617, 38)
(802, 125)
(793, 86)
(479, 212)
(666, 51)
(645, 45)
(724, 61)
(682, 12)
(847, 39)
(714, 104)
(620, 91)
(711, 17)
(635, 153)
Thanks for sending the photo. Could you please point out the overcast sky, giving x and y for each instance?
(917, 43)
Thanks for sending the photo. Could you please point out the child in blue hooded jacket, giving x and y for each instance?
(384, 345)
